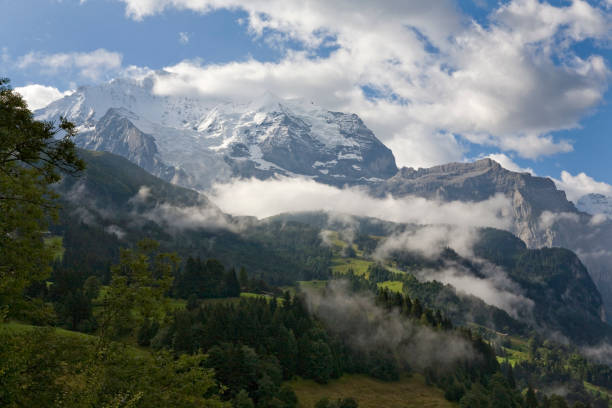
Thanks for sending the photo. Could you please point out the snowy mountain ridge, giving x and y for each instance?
(205, 142)
(595, 204)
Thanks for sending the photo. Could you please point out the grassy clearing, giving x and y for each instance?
(394, 269)
(131, 347)
(409, 392)
(312, 284)
(15, 327)
(513, 356)
(393, 286)
(255, 295)
(343, 265)
(598, 390)
(516, 351)
(213, 301)
(56, 243)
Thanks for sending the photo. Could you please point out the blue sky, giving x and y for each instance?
(440, 90)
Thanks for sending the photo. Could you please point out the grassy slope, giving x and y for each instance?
(57, 245)
(343, 265)
(393, 286)
(15, 327)
(409, 392)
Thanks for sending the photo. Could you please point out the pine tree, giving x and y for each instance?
(242, 400)
(530, 398)
(243, 278)
(230, 285)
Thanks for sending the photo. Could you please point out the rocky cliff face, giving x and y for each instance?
(196, 143)
(114, 132)
(480, 180)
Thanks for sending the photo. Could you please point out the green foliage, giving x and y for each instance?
(40, 368)
(91, 287)
(242, 400)
(530, 398)
(137, 290)
(206, 280)
(32, 153)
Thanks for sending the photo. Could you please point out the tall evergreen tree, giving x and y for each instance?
(33, 155)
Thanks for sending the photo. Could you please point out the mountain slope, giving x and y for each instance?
(195, 142)
(542, 216)
(115, 203)
(558, 295)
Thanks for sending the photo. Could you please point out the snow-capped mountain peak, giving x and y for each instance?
(206, 141)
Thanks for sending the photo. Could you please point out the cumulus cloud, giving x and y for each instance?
(94, 65)
(367, 327)
(38, 96)
(264, 198)
(433, 77)
(580, 185)
(509, 164)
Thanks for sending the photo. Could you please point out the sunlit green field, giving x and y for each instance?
(393, 286)
(343, 265)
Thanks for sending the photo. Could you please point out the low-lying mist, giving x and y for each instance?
(367, 327)
(265, 198)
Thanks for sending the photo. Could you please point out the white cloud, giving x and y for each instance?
(509, 164)
(38, 96)
(435, 74)
(580, 185)
(94, 65)
(264, 198)
(183, 37)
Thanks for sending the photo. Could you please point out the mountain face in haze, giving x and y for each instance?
(595, 204)
(114, 204)
(541, 215)
(479, 181)
(195, 143)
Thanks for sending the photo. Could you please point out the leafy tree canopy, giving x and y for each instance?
(33, 155)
